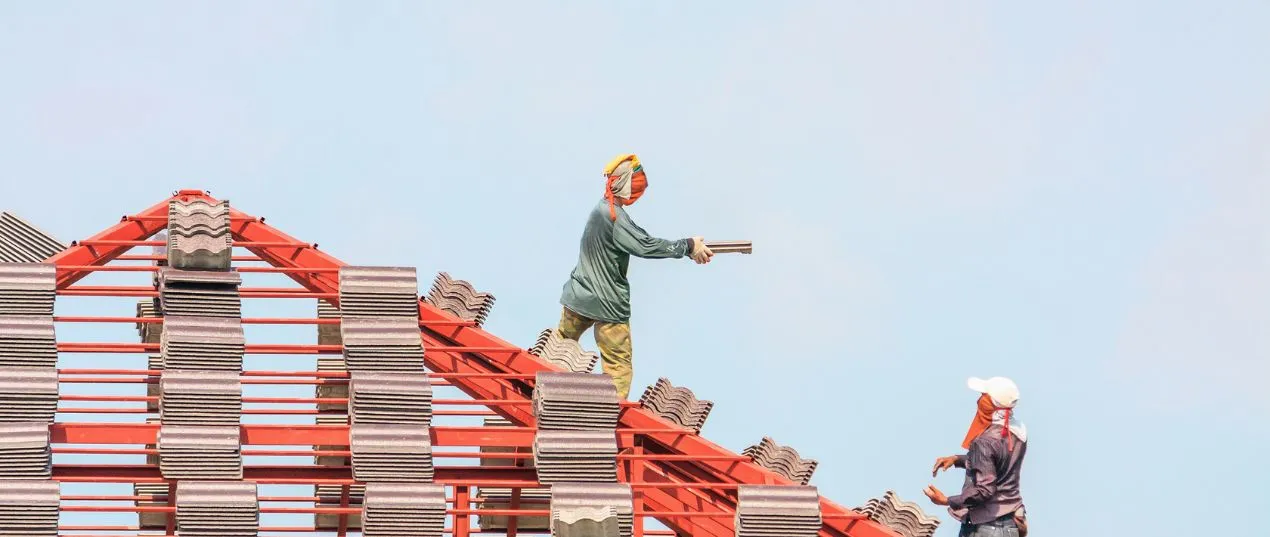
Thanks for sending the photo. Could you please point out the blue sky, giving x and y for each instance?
(1071, 196)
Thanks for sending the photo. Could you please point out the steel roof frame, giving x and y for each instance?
(676, 472)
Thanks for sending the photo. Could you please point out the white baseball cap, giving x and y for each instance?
(1001, 390)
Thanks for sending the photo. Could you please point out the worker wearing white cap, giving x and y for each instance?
(990, 504)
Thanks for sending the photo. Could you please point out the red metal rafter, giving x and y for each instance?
(683, 472)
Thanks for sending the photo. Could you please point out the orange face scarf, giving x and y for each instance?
(984, 410)
(626, 182)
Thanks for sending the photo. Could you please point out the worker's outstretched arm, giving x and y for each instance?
(632, 239)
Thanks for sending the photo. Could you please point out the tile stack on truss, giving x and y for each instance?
(200, 392)
(198, 235)
(905, 518)
(501, 497)
(460, 299)
(333, 413)
(151, 333)
(564, 353)
(29, 499)
(777, 511)
(217, 509)
(390, 402)
(21, 242)
(677, 405)
(575, 451)
(782, 460)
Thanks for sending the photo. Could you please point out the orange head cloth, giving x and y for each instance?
(626, 182)
(984, 411)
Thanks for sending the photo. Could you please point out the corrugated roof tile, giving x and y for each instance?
(391, 398)
(30, 508)
(206, 398)
(777, 511)
(391, 453)
(399, 510)
(588, 456)
(563, 352)
(460, 298)
(677, 404)
(782, 460)
(28, 394)
(379, 291)
(203, 453)
(575, 401)
(217, 509)
(21, 242)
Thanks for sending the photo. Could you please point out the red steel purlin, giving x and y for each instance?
(683, 480)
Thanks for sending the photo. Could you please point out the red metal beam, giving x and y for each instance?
(490, 476)
(80, 254)
(287, 435)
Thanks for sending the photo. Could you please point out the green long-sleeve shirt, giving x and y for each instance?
(598, 288)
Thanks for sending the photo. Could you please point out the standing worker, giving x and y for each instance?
(598, 293)
(990, 504)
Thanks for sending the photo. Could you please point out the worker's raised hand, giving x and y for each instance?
(936, 496)
(700, 254)
(943, 463)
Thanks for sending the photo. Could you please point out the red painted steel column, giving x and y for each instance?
(462, 523)
(637, 495)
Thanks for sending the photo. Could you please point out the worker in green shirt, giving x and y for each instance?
(598, 293)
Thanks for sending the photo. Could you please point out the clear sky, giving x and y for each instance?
(1074, 196)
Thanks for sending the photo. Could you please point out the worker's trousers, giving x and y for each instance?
(614, 340)
(1001, 527)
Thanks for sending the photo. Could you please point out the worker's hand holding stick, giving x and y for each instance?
(700, 253)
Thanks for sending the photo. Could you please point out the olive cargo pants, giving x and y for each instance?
(614, 340)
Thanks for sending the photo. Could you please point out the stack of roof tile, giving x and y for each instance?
(782, 460)
(404, 510)
(574, 506)
(391, 398)
(149, 332)
(208, 398)
(25, 452)
(30, 508)
(586, 522)
(501, 497)
(217, 509)
(576, 456)
(199, 293)
(334, 413)
(28, 383)
(192, 452)
(391, 453)
(676, 404)
(905, 518)
(28, 394)
(379, 292)
(382, 343)
(203, 343)
(563, 352)
(460, 299)
(21, 242)
(27, 341)
(564, 401)
(151, 520)
(577, 420)
(198, 235)
(27, 289)
(777, 511)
